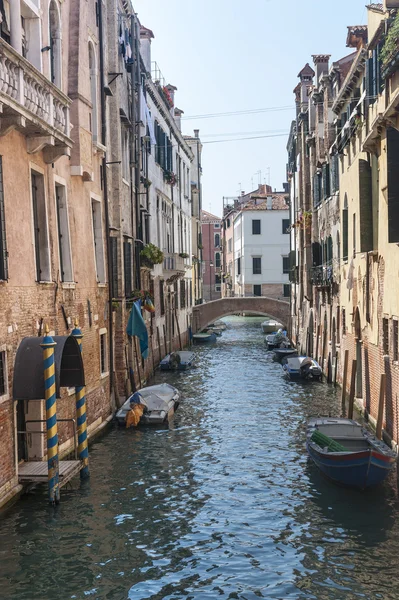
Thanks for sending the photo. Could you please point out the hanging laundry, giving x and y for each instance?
(150, 125)
(143, 107)
(136, 326)
(128, 54)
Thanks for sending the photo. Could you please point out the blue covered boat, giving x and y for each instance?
(365, 460)
(302, 367)
(177, 361)
(204, 338)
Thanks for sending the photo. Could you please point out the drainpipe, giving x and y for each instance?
(105, 192)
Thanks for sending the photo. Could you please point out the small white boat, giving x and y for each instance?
(270, 326)
(204, 338)
(177, 361)
(302, 367)
(160, 403)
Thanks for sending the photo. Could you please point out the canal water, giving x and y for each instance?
(222, 505)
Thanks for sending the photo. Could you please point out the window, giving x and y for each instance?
(93, 92)
(256, 265)
(374, 79)
(228, 223)
(354, 233)
(64, 243)
(42, 254)
(218, 288)
(217, 260)
(343, 322)
(230, 245)
(216, 225)
(286, 290)
(103, 352)
(317, 189)
(334, 173)
(3, 373)
(125, 150)
(385, 336)
(255, 226)
(286, 264)
(217, 240)
(393, 184)
(113, 247)
(238, 266)
(182, 293)
(55, 44)
(161, 298)
(218, 278)
(127, 267)
(98, 240)
(3, 241)
(257, 290)
(326, 181)
(286, 225)
(345, 230)
(395, 340)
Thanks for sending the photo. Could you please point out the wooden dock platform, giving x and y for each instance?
(36, 471)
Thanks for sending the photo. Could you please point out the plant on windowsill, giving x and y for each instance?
(146, 182)
(391, 42)
(200, 247)
(184, 255)
(167, 96)
(170, 178)
(151, 255)
(195, 260)
(307, 219)
(115, 305)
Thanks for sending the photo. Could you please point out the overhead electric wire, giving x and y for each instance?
(240, 112)
(259, 137)
(258, 132)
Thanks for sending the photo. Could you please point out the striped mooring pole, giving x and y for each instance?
(48, 346)
(80, 391)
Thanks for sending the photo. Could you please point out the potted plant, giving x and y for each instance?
(170, 178)
(146, 182)
(151, 255)
(184, 255)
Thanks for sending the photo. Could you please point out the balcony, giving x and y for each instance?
(174, 263)
(321, 276)
(30, 103)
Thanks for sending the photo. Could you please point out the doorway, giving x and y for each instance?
(21, 427)
(359, 358)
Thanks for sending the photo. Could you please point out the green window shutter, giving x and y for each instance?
(393, 184)
(345, 234)
(113, 242)
(366, 209)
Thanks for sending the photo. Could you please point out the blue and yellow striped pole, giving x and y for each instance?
(48, 346)
(83, 447)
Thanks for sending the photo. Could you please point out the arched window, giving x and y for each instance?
(345, 229)
(217, 260)
(217, 240)
(93, 91)
(55, 43)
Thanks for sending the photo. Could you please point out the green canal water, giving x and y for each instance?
(223, 505)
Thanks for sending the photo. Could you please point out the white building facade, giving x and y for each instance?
(261, 248)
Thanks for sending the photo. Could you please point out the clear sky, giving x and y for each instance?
(228, 56)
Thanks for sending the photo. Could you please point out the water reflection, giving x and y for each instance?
(224, 504)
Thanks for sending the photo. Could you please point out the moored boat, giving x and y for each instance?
(281, 353)
(347, 453)
(277, 340)
(216, 330)
(154, 405)
(177, 361)
(204, 338)
(302, 367)
(269, 326)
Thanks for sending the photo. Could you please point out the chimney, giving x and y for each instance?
(196, 133)
(171, 89)
(146, 36)
(269, 204)
(286, 187)
(321, 65)
(242, 193)
(178, 114)
(306, 77)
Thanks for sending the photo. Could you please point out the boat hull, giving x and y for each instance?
(205, 339)
(356, 469)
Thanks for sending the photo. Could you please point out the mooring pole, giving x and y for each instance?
(48, 346)
(80, 393)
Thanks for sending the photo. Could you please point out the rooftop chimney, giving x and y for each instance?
(146, 36)
(178, 114)
(196, 133)
(321, 65)
(269, 203)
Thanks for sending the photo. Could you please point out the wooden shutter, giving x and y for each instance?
(316, 254)
(127, 263)
(316, 189)
(393, 184)
(113, 242)
(370, 79)
(345, 234)
(3, 240)
(366, 207)
(326, 181)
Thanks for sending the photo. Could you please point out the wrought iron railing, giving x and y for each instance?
(321, 275)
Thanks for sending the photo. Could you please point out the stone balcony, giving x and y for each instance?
(174, 267)
(30, 103)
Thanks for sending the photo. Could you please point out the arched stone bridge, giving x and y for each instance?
(207, 313)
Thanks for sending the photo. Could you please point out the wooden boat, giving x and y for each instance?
(177, 361)
(364, 460)
(270, 326)
(160, 403)
(302, 367)
(281, 353)
(216, 330)
(218, 325)
(204, 338)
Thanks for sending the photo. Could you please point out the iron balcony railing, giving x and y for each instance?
(322, 276)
